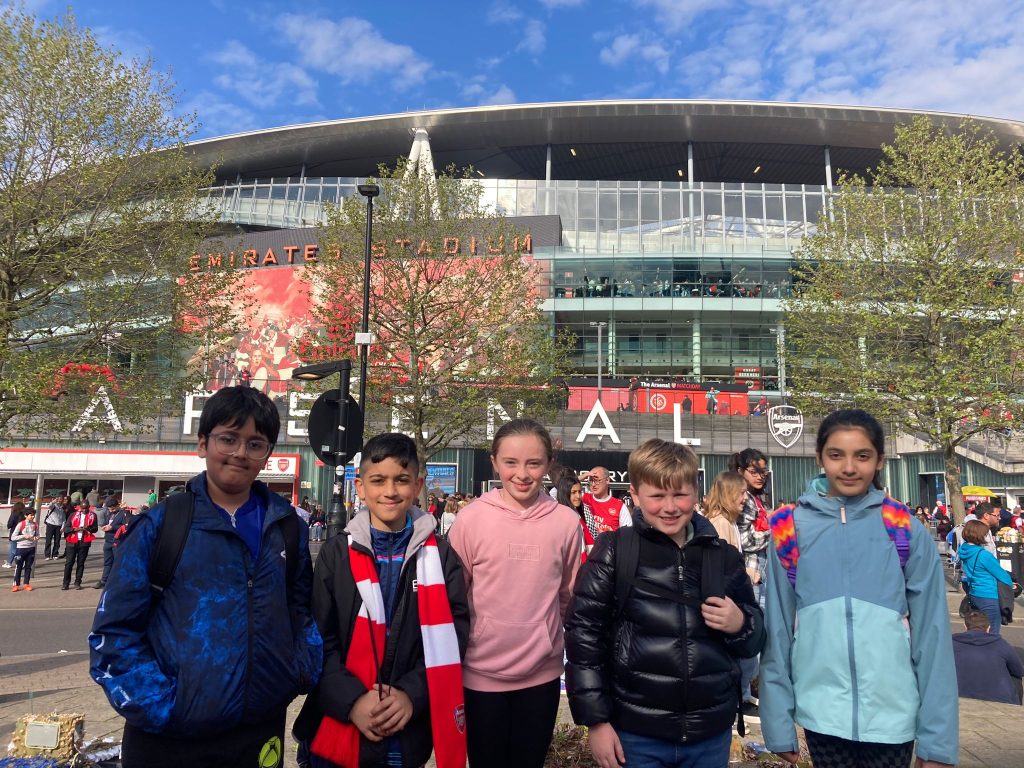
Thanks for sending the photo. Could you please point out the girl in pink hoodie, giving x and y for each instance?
(520, 552)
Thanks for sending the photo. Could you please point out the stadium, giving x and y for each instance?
(665, 230)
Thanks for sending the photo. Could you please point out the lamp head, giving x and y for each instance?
(368, 190)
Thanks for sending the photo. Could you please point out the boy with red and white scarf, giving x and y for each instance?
(390, 602)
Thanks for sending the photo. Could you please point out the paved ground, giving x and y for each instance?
(42, 670)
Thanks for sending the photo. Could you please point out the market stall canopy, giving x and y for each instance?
(976, 493)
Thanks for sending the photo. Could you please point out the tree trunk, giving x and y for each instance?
(954, 496)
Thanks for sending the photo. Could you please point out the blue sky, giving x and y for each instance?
(247, 65)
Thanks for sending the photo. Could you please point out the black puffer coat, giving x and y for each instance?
(660, 671)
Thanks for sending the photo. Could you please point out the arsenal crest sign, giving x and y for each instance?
(785, 423)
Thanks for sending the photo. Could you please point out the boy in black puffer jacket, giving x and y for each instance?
(657, 677)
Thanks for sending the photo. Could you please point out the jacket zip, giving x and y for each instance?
(248, 610)
(855, 725)
(682, 615)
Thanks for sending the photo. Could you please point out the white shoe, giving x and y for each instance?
(7, 565)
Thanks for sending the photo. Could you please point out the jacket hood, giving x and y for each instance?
(975, 637)
(422, 526)
(815, 497)
(969, 550)
(542, 507)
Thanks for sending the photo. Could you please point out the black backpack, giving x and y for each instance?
(170, 543)
(712, 582)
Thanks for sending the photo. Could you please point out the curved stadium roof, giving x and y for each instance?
(614, 140)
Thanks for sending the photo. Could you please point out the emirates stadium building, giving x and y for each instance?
(665, 230)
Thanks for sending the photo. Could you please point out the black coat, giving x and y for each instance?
(659, 670)
(335, 605)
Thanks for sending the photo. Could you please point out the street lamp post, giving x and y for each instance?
(599, 324)
(364, 338)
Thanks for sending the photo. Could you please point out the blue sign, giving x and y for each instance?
(442, 477)
(350, 473)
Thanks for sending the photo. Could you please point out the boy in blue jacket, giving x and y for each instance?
(204, 672)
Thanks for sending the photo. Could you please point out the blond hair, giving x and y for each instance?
(663, 464)
(718, 502)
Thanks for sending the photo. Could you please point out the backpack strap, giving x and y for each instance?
(896, 517)
(170, 540)
(627, 558)
(783, 528)
(712, 570)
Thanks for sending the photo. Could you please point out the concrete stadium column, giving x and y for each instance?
(613, 340)
(695, 364)
(828, 167)
(689, 162)
(780, 353)
(547, 182)
(689, 183)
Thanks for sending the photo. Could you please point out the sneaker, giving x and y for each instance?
(7, 565)
(28, 587)
(15, 588)
(751, 712)
(65, 588)
(79, 586)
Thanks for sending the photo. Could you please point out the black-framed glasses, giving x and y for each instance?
(228, 444)
(758, 471)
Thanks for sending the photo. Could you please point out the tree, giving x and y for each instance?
(454, 306)
(908, 300)
(99, 213)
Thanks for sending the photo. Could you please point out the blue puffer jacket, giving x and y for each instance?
(218, 648)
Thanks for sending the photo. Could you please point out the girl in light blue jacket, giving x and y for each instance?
(859, 648)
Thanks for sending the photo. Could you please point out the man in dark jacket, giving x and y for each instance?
(987, 667)
(657, 678)
(203, 673)
(116, 519)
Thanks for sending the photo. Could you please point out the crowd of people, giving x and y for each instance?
(446, 630)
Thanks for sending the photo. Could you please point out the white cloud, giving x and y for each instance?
(503, 13)
(262, 83)
(219, 117)
(674, 15)
(504, 95)
(354, 50)
(625, 47)
(534, 40)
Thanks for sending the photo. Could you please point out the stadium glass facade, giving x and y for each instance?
(677, 223)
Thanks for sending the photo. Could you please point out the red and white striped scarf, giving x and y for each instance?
(339, 742)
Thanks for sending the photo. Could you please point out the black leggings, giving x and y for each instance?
(250, 745)
(833, 752)
(511, 729)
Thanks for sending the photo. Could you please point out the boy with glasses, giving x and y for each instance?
(203, 670)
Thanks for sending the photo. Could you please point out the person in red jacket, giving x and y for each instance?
(79, 532)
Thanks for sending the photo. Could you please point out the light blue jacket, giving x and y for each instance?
(982, 571)
(859, 650)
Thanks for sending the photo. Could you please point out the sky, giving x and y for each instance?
(242, 66)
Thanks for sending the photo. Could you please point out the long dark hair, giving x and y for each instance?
(852, 418)
(745, 459)
(563, 492)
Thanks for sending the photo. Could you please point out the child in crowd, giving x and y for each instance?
(25, 535)
(390, 601)
(203, 670)
(859, 650)
(569, 493)
(652, 670)
(520, 550)
(724, 504)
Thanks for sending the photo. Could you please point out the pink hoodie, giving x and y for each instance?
(520, 566)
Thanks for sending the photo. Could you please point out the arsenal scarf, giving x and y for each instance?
(339, 742)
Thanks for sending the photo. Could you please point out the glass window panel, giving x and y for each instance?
(649, 206)
(608, 205)
(588, 204)
(567, 207)
(5, 490)
(628, 207)
(526, 201)
(245, 193)
(329, 195)
(670, 206)
(814, 207)
(773, 208)
(278, 192)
